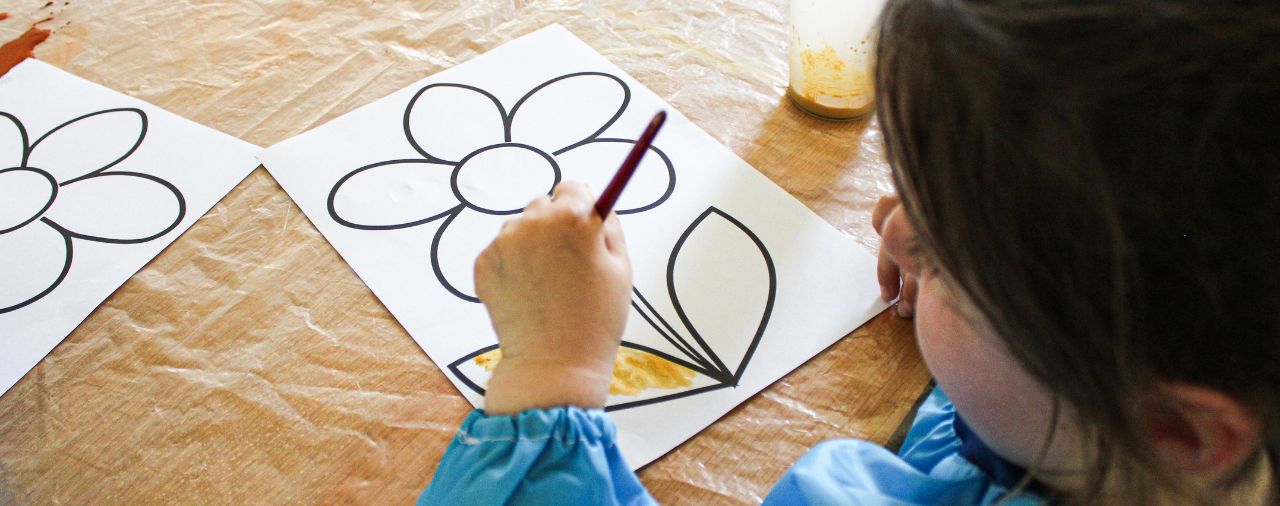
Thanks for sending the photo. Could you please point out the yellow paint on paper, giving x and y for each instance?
(634, 371)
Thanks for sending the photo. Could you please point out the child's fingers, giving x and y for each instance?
(537, 205)
(907, 304)
(613, 237)
(888, 275)
(486, 270)
(887, 271)
(575, 195)
(880, 213)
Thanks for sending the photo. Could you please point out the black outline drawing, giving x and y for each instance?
(695, 353)
(66, 233)
(710, 364)
(457, 192)
(452, 213)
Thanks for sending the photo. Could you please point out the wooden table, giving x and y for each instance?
(248, 364)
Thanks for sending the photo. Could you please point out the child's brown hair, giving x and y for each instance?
(1101, 179)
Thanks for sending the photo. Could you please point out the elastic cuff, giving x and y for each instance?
(566, 424)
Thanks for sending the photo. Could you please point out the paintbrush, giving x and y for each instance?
(604, 205)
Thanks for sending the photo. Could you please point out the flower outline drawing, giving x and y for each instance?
(477, 165)
(51, 197)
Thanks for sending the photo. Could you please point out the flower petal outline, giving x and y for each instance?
(177, 195)
(21, 159)
(66, 267)
(441, 157)
(568, 167)
(456, 368)
(331, 201)
(53, 184)
(734, 372)
(80, 173)
(532, 94)
(487, 225)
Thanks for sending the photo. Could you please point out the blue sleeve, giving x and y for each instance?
(541, 456)
(929, 470)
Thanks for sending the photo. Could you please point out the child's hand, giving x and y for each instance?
(557, 284)
(897, 268)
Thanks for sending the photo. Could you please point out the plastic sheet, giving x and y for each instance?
(248, 364)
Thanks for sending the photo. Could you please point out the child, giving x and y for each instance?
(1085, 237)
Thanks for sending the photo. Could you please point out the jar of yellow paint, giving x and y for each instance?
(832, 52)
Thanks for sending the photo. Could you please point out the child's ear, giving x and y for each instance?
(1201, 431)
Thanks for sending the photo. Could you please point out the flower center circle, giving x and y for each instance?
(26, 193)
(502, 178)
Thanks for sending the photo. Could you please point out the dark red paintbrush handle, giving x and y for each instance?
(604, 205)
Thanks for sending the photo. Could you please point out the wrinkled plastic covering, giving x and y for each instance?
(248, 364)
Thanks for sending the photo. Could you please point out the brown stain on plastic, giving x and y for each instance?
(4, 16)
(21, 48)
(634, 371)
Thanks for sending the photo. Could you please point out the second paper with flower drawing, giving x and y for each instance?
(93, 185)
(736, 283)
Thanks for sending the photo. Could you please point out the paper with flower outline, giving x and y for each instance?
(93, 185)
(825, 282)
(67, 233)
(696, 354)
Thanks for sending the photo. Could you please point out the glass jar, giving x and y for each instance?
(831, 57)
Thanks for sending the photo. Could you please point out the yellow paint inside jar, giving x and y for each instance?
(829, 87)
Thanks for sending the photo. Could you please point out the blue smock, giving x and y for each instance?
(569, 456)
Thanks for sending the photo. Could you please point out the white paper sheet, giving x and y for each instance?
(93, 185)
(410, 188)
